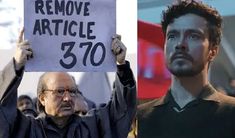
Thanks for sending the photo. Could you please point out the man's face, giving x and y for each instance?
(187, 45)
(24, 104)
(58, 99)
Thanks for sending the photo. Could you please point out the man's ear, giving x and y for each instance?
(42, 99)
(213, 52)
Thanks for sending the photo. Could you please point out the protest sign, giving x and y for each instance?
(70, 35)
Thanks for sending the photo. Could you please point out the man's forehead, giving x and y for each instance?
(188, 21)
(54, 77)
(57, 74)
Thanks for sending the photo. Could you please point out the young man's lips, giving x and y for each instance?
(181, 56)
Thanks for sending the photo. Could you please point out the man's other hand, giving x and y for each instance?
(119, 49)
(23, 52)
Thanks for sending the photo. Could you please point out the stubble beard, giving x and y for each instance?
(181, 71)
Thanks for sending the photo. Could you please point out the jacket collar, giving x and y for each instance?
(49, 124)
(207, 93)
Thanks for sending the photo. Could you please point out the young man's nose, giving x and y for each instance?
(181, 44)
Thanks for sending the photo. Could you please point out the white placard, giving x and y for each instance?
(70, 35)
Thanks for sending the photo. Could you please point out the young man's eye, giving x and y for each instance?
(194, 36)
(170, 36)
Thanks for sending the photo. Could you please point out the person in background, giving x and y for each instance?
(81, 106)
(26, 106)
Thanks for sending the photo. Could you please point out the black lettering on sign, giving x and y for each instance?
(57, 22)
(92, 51)
(37, 27)
(99, 44)
(78, 7)
(81, 34)
(86, 10)
(39, 6)
(68, 54)
(65, 27)
(89, 45)
(70, 28)
(46, 26)
(69, 8)
(59, 6)
(89, 30)
(49, 8)
(63, 7)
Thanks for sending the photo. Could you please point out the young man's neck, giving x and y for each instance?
(186, 89)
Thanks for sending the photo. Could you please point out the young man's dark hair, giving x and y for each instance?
(212, 17)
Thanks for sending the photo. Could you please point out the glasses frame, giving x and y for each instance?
(61, 92)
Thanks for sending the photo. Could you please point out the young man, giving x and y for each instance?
(192, 108)
(57, 94)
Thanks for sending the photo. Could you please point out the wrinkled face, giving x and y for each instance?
(24, 104)
(59, 97)
(187, 45)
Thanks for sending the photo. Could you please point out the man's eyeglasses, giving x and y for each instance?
(61, 92)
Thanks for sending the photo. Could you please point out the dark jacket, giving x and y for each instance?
(110, 121)
(211, 115)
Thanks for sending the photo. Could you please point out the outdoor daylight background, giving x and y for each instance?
(11, 21)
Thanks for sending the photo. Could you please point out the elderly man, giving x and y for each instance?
(192, 108)
(57, 94)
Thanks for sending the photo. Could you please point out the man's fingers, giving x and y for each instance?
(117, 36)
(29, 55)
(26, 51)
(117, 46)
(20, 39)
(114, 44)
(118, 49)
(24, 43)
